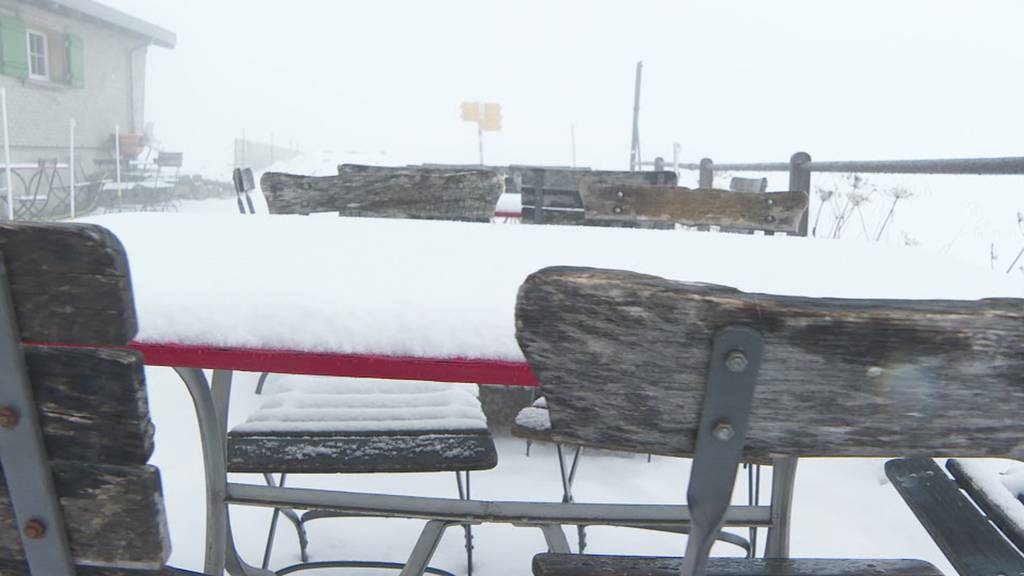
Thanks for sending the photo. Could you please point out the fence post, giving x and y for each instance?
(707, 173)
(800, 180)
(659, 164)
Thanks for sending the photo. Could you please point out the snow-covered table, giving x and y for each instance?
(428, 300)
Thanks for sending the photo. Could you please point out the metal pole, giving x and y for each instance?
(7, 157)
(675, 158)
(634, 151)
(572, 136)
(71, 168)
(480, 141)
(117, 162)
(800, 180)
(707, 173)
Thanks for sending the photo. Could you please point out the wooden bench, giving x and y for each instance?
(642, 364)
(388, 192)
(743, 212)
(557, 190)
(663, 207)
(276, 440)
(975, 520)
(738, 184)
(75, 428)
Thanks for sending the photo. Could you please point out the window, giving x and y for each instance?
(38, 56)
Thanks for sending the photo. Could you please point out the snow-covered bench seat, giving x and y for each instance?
(341, 425)
(976, 518)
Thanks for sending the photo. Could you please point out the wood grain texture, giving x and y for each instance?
(622, 359)
(15, 568)
(595, 565)
(469, 195)
(971, 544)
(1010, 528)
(70, 283)
(114, 516)
(93, 404)
(748, 211)
(562, 190)
(362, 453)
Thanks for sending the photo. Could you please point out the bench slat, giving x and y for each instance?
(969, 541)
(114, 515)
(395, 193)
(351, 453)
(775, 211)
(622, 359)
(69, 283)
(93, 404)
(595, 565)
(999, 515)
(12, 568)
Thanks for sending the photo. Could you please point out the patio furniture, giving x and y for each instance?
(557, 190)
(740, 184)
(322, 426)
(75, 429)
(973, 517)
(642, 364)
(630, 205)
(385, 192)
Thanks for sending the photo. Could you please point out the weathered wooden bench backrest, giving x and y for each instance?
(670, 205)
(71, 289)
(738, 184)
(623, 360)
(559, 195)
(387, 192)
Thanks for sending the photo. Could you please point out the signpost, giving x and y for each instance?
(487, 116)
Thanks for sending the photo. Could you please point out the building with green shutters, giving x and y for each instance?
(73, 59)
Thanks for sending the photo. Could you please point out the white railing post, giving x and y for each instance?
(7, 156)
(117, 163)
(71, 167)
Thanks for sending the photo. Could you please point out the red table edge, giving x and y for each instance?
(464, 370)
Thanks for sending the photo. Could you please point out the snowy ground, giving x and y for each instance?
(843, 508)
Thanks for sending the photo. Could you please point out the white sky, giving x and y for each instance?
(733, 80)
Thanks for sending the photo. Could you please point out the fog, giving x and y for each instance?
(739, 80)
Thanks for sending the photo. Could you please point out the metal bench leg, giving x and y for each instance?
(555, 537)
(290, 514)
(467, 527)
(427, 543)
(568, 478)
(783, 480)
(725, 414)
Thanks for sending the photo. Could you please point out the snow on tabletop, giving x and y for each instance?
(444, 289)
(319, 404)
(994, 485)
(509, 203)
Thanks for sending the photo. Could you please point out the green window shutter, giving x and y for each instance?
(13, 47)
(75, 61)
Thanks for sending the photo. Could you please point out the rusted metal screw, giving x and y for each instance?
(736, 361)
(723, 431)
(34, 529)
(8, 417)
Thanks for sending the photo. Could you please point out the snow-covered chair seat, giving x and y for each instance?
(342, 425)
(533, 422)
(976, 517)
